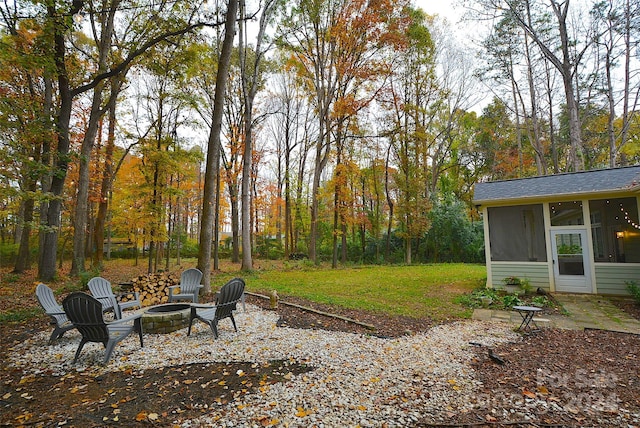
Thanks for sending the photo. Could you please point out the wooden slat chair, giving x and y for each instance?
(85, 312)
(230, 294)
(189, 286)
(59, 320)
(101, 289)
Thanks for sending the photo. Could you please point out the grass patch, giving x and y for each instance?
(415, 291)
(19, 315)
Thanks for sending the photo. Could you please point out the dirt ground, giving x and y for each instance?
(597, 371)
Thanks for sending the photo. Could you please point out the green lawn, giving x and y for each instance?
(416, 291)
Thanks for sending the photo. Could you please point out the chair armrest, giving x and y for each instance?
(56, 313)
(126, 319)
(201, 306)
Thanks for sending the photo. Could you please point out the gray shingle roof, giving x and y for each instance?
(577, 183)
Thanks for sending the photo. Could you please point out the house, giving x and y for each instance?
(574, 233)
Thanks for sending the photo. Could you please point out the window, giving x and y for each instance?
(517, 233)
(566, 213)
(615, 230)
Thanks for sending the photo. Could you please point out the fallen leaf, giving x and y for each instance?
(543, 390)
(528, 393)
(141, 416)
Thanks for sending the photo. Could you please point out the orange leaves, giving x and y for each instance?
(301, 412)
(144, 415)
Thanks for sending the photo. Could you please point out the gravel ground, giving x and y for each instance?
(355, 379)
(294, 368)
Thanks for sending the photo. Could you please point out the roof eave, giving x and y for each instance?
(545, 198)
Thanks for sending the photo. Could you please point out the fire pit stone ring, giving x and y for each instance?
(166, 318)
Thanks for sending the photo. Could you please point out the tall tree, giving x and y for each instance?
(251, 69)
(26, 104)
(213, 147)
(411, 102)
(102, 23)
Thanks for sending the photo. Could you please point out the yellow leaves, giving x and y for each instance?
(528, 393)
(374, 379)
(77, 388)
(27, 379)
(454, 384)
(143, 415)
(21, 419)
(302, 413)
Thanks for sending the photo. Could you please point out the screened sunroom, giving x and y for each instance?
(574, 233)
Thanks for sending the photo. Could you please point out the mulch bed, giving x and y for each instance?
(554, 365)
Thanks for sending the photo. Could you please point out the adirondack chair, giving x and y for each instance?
(189, 286)
(100, 288)
(85, 312)
(228, 297)
(59, 320)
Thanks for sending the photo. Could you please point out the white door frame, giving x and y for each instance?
(569, 276)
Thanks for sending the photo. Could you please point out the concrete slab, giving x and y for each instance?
(583, 311)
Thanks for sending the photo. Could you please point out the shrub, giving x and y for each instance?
(512, 280)
(634, 290)
(511, 300)
(475, 298)
(541, 301)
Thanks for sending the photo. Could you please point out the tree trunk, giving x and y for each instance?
(82, 199)
(213, 147)
(47, 266)
(82, 196)
(23, 262)
(390, 203)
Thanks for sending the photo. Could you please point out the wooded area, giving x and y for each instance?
(338, 130)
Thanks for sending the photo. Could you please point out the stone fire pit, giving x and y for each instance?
(166, 318)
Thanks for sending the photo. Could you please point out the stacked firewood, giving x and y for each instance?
(153, 288)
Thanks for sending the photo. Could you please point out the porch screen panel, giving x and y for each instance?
(517, 233)
(615, 230)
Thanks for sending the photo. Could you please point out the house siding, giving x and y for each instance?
(536, 273)
(611, 277)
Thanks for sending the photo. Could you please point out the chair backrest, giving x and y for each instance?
(230, 294)
(85, 312)
(49, 304)
(100, 288)
(190, 280)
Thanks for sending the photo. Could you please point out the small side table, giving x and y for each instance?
(527, 313)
